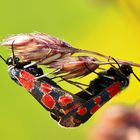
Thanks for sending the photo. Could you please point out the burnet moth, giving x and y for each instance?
(69, 110)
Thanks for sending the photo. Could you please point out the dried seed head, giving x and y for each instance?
(35, 46)
(74, 66)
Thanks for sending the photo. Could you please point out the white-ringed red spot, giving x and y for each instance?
(26, 80)
(65, 100)
(114, 89)
(45, 88)
(94, 109)
(72, 108)
(48, 101)
(82, 111)
(27, 76)
(97, 100)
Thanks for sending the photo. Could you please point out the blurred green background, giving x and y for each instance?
(109, 27)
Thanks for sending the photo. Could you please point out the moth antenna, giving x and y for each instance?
(90, 69)
(114, 61)
(136, 76)
(120, 67)
(3, 59)
(77, 84)
(13, 52)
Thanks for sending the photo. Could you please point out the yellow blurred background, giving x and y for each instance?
(111, 27)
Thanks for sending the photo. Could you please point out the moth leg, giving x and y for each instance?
(116, 62)
(77, 85)
(73, 83)
(46, 74)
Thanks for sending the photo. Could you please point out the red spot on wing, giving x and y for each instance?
(65, 100)
(94, 109)
(97, 100)
(48, 101)
(26, 84)
(26, 80)
(46, 88)
(72, 108)
(114, 89)
(82, 111)
(27, 76)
